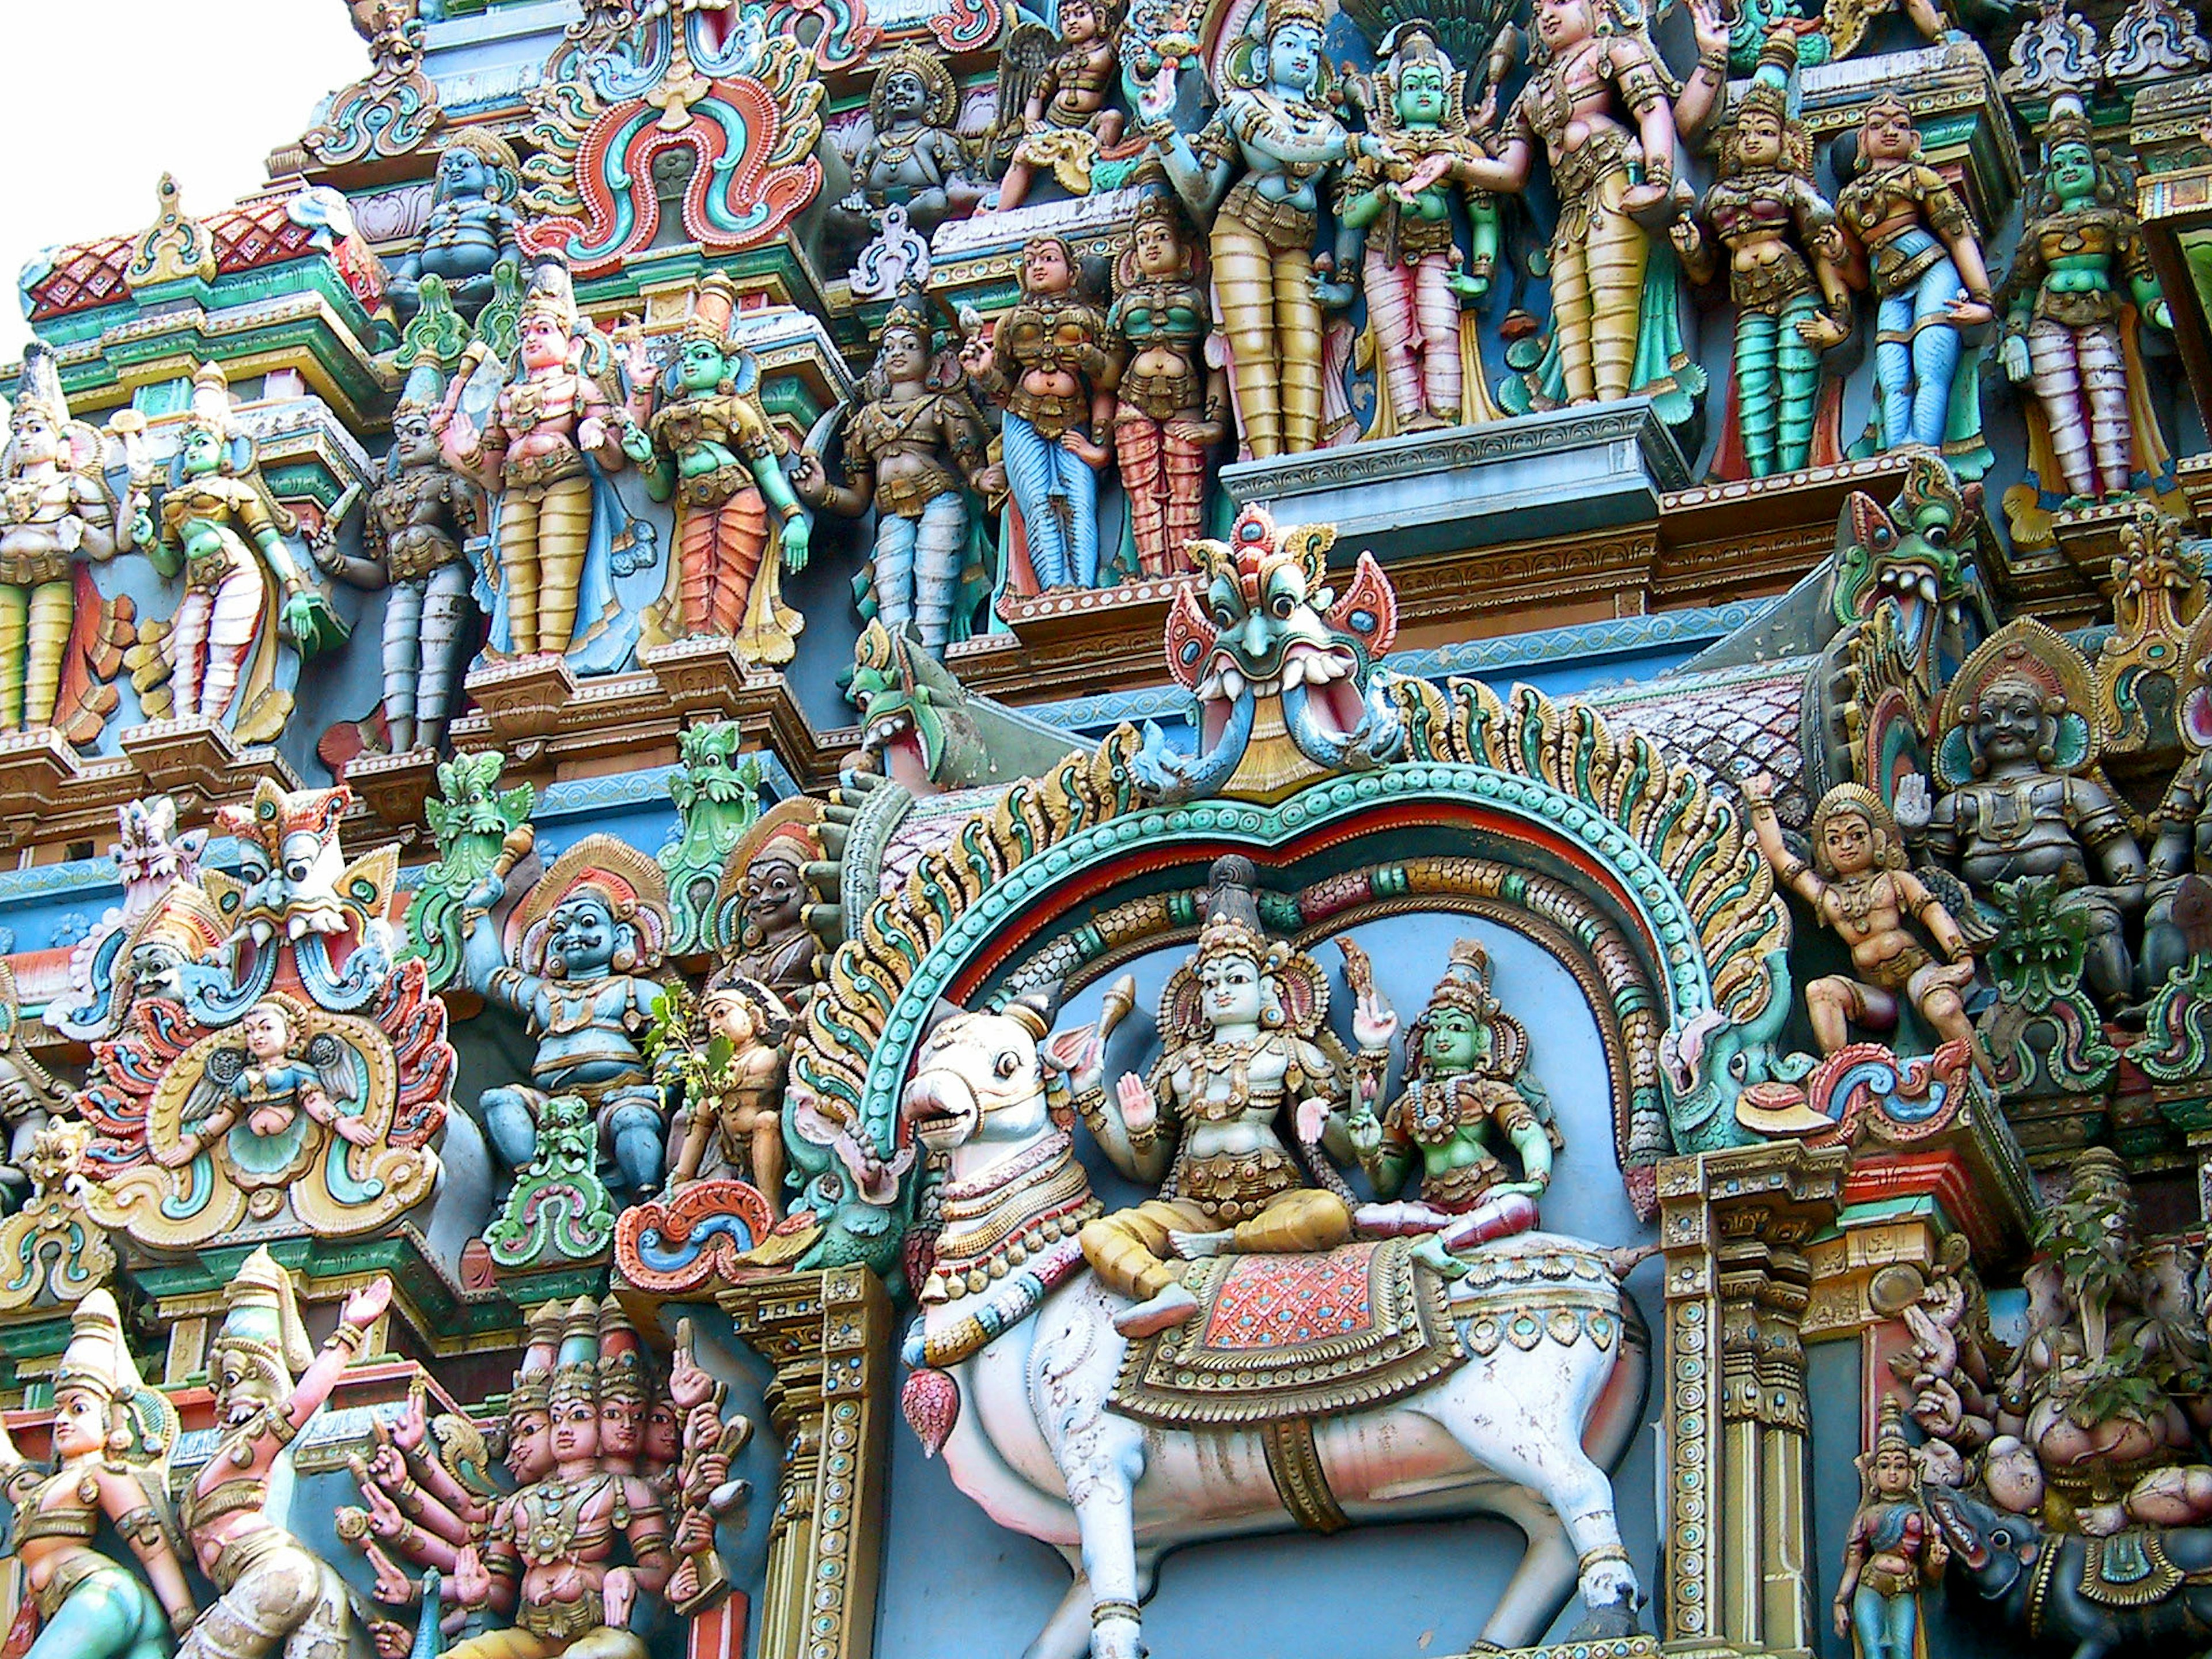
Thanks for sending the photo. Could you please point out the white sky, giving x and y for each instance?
(106, 95)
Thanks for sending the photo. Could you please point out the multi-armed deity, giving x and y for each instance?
(706, 444)
(56, 511)
(910, 445)
(544, 451)
(225, 534)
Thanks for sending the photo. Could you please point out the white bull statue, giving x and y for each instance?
(1016, 1378)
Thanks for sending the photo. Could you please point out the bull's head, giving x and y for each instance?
(988, 1079)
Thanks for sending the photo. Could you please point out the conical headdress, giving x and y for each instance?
(533, 1382)
(262, 1323)
(39, 385)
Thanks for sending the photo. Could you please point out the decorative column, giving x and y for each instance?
(828, 1335)
(1733, 1226)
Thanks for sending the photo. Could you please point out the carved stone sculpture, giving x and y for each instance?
(705, 443)
(591, 934)
(164, 921)
(1066, 120)
(472, 227)
(733, 1081)
(1171, 405)
(111, 1439)
(1046, 366)
(911, 444)
(275, 1594)
(1894, 1551)
(913, 159)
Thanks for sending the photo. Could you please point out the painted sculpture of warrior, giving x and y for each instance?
(1171, 405)
(1242, 1021)
(708, 446)
(1928, 277)
(1045, 366)
(775, 945)
(547, 1563)
(1467, 1096)
(553, 419)
(914, 159)
(277, 1597)
(910, 444)
(1597, 96)
(418, 520)
(1786, 259)
(1895, 1550)
(2069, 333)
(730, 1120)
(1395, 225)
(55, 507)
(593, 932)
(223, 531)
(1858, 884)
(112, 1439)
(2021, 811)
(1256, 174)
(1064, 119)
(471, 227)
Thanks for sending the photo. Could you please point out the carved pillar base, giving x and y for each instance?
(523, 698)
(829, 1336)
(1733, 1226)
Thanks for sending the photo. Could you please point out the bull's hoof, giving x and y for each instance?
(1609, 1619)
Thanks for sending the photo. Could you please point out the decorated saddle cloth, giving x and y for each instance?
(2130, 1569)
(1278, 1337)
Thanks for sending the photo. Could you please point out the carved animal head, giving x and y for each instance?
(472, 802)
(1264, 623)
(982, 1076)
(1995, 1548)
(289, 863)
(1912, 553)
(715, 768)
(149, 850)
(910, 705)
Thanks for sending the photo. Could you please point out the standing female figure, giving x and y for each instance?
(1929, 275)
(1170, 407)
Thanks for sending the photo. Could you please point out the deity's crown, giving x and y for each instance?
(1279, 12)
(534, 1380)
(621, 1354)
(576, 1367)
(1770, 81)
(552, 294)
(1466, 983)
(185, 920)
(211, 410)
(1226, 935)
(713, 303)
(97, 1359)
(39, 385)
(1889, 1431)
(2067, 123)
(261, 1321)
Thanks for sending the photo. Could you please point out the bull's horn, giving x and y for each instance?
(1033, 1010)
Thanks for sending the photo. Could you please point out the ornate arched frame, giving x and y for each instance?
(1559, 836)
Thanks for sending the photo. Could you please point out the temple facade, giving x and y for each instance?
(1263, 829)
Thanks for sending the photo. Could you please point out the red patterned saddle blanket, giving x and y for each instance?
(1288, 1336)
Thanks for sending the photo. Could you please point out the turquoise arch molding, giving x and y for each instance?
(1635, 877)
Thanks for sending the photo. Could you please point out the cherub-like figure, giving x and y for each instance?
(1171, 405)
(1467, 1096)
(1395, 222)
(733, 1104)
(55, 506)
(914, 158)
(1598, 96)
(1046, 367)
(592, 934)
(1243, 1021)
(910, 444)
(268, 1088)
(1786, 259)
(224, 533)
(708, 446)
(471, 227)
(276, 1595)
(111, 1439)
(1256, 174)
(1858, 885)
(1929, 274)
(2069, 336)
(552, 584)
(2015, 751)
(1066, 120)
(1894, 1551)
(418, 518)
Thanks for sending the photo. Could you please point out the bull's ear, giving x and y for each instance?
(945, 1009)
(1035, 1009)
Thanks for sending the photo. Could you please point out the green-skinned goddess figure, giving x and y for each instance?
(1467, 1097)
(111, 1439)
(1395, 226)
(708, 446)
(1785, 258)
(55, 507)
